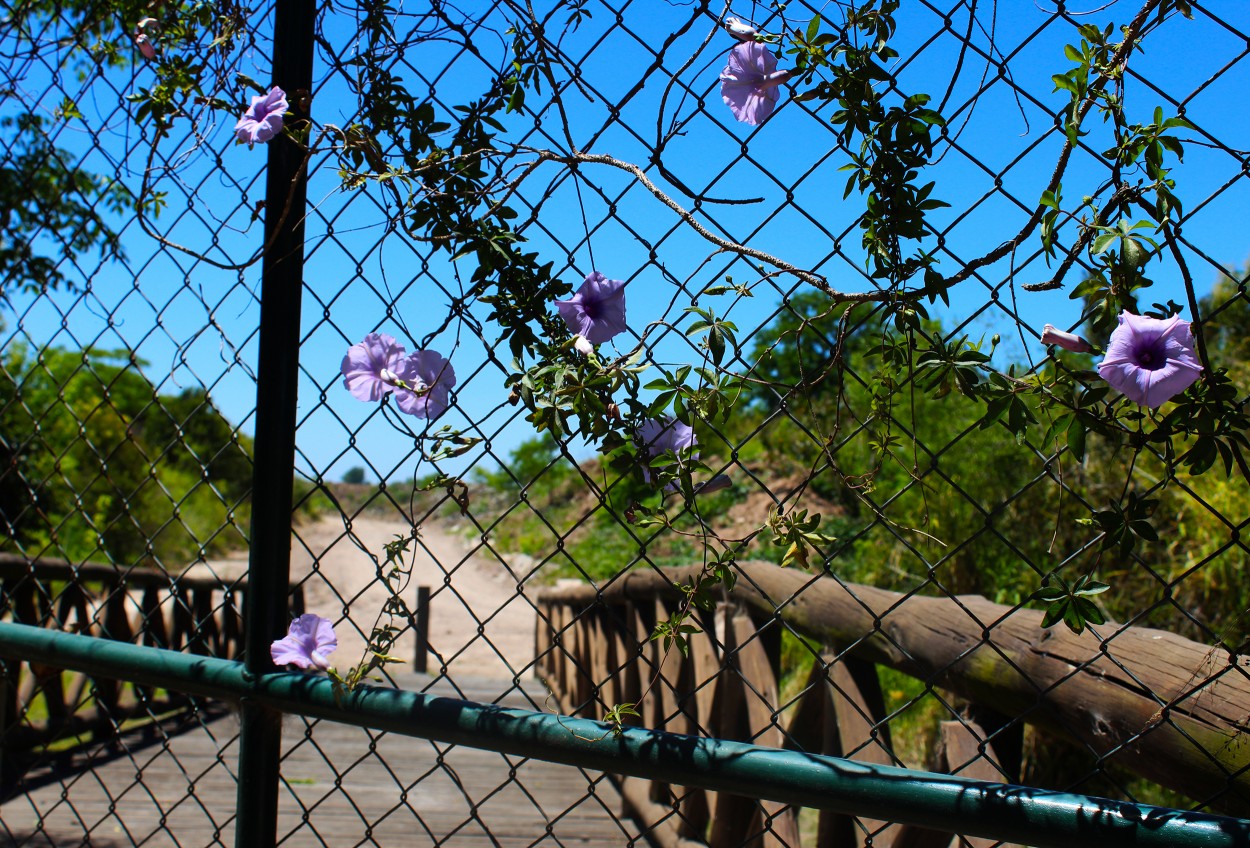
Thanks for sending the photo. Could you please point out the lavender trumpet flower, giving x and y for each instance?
(1150, 360)
(378, 365)
(263, 119)
(664, 436)
(597, 311)
(307, 643)
(748, 85)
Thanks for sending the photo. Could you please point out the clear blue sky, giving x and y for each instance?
(194, 323)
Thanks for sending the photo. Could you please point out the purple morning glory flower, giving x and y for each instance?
(374, 367)
(748, 85)
(597, 311)
(263, 119)
(421, 380)
(1150, 360)
(428, 378)
(306, 644)
(664, 436)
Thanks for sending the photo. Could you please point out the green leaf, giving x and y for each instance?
(1061, 81)
(1102, 243)
(1076, 439)
(716, 344)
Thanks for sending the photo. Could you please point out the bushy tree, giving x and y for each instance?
(100, 466)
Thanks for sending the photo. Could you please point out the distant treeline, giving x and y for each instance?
(938, 500)
(95, 464)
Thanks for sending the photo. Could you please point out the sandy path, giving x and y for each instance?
(479, 625)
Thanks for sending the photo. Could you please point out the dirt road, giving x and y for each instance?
(479, 625)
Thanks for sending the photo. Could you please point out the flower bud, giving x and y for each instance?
(720, 481)
(1067, 341)
(739, 30)
(144, 36)
(582, 345)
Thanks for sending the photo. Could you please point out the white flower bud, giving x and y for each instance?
(739, 30)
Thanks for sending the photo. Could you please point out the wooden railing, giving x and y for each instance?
(1167, 708)
(43, 705)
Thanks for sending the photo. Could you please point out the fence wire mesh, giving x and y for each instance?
(906, 630)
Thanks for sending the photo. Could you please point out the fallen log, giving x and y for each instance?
(1168, 708)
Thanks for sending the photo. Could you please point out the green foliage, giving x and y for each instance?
(798, 535)
(891, 452)
(1227, 331)
(99, 28)
(896, 139)
(618, 715)
(103, 467)
(40, 192)
(392, 620)
(807, 345)
(191, 435)
(572, 394)
(1071, 604)
(41, 189)
(672, 632)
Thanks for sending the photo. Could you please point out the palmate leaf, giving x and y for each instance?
(1071, 604)
(1123, 525)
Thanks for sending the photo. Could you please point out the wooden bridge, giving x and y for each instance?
(169, 776)
(341, 786)
(109, 765)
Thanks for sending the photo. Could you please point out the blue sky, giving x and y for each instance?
(193, 323)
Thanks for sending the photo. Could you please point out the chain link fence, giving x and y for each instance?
(911, 557)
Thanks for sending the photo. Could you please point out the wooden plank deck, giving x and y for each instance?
(343, 786)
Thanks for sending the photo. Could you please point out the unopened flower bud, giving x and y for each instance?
(720, 481)
(739, 30)
(145, 31)
(1067, 341)
(614, 412)
(582, 345)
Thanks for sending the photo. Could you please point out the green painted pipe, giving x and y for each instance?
(975, 808)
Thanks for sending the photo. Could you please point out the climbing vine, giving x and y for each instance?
(581, 362)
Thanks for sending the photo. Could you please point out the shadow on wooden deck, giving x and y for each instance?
(342, 786)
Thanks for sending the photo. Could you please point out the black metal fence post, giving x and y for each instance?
(421, 654)
(269, 562)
